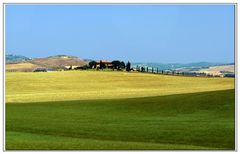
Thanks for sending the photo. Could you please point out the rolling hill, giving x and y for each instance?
(80, 85)
(201, 121)
(51, 63)
(58, 62)
(79, 110)
(218, 69)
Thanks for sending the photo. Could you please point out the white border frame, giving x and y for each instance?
(2, 59)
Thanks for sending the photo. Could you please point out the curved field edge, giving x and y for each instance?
(184, 121)
(83, 85)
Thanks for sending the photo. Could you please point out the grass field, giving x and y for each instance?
(25, 66)
(136, 111)
(82, 85)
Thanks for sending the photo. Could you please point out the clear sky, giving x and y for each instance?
(138, 33)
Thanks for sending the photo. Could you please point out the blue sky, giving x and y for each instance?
(139, 33)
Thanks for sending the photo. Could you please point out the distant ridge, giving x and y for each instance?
(57, 62)
(177, 66)
(10, 58)
(62, 56)
(88, 60)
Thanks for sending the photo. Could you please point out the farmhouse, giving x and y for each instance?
(71, 67)
(106, 63)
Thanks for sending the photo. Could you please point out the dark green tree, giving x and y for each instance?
(122, 65)
(92, 64)
(116, 64)
(128, 66)
(102, 65)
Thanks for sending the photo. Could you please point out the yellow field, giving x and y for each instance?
(21, 67)
(217, 69)
(80, 85)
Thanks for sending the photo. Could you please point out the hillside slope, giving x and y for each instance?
(184, 121)
(51, 63)
(58, 62)
(76, 85)
(21, 67)
(218, 69)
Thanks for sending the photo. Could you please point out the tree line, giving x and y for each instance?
(115, 64)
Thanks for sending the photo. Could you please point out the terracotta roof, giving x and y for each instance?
(104, 61)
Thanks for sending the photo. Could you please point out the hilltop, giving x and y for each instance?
(62, 56)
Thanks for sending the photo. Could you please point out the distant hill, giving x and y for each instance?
(10, 58)
(22, 63)
(88, 60)
(58, 62)
(50, 63)
(223, 69)
(178, 66)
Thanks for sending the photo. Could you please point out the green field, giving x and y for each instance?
(118, 110)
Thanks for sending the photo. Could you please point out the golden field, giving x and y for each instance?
(84, 85)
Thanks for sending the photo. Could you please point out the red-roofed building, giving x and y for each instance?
(106, 63)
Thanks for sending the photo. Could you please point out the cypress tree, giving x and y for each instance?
(128, 66)
(101, 64)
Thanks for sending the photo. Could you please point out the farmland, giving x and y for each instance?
(118, 110)
(80, 85)
(25, 66)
